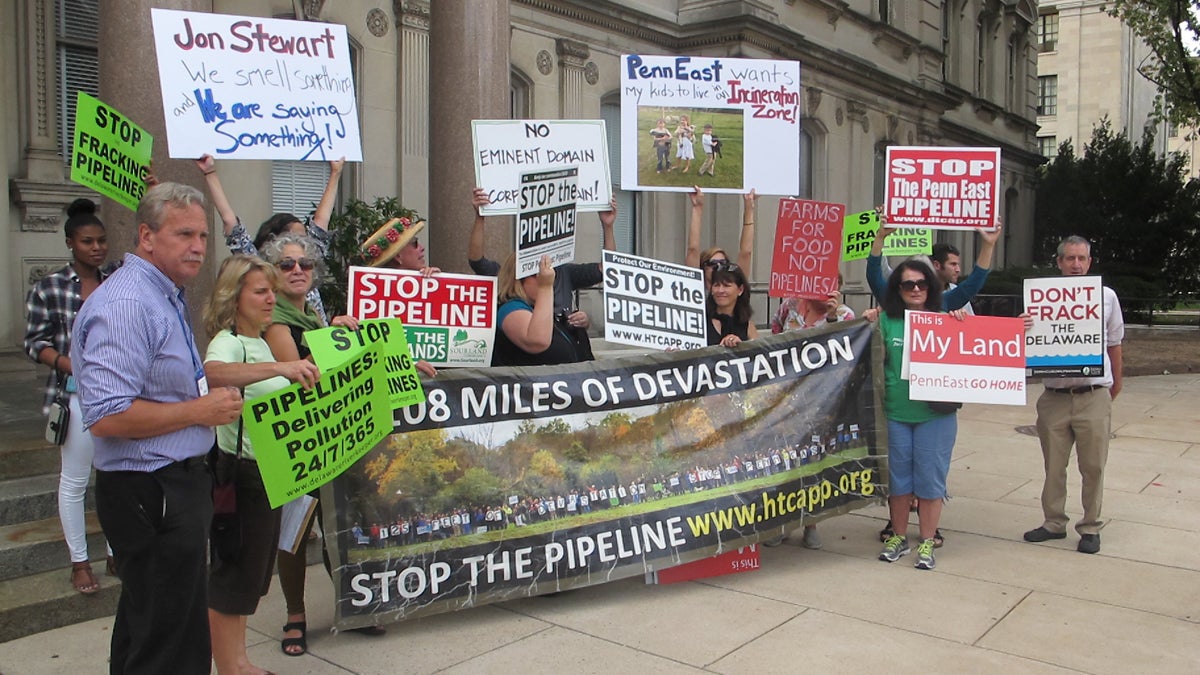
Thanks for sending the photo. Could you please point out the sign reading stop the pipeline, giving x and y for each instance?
(942, 188)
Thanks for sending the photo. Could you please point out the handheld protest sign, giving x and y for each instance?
(727, 124)
(449, 319)
(333, 346)
(504, 149)
(808, 245)
(1067, 336)
(241, 87)
(942, 188)
(650, 303)
(304, 438)
(858, 233)
(980, 359)
(546, 219)
(110, 153)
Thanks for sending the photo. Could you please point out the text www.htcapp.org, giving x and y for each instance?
(774, 505)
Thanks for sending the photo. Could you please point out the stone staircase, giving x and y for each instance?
(35, 589)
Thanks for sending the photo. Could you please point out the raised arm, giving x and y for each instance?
(534, 331)
(875, 278)
(960, 295)
(329, 196)
(692, 256)
(746, 245)
(479, 198)
(208, 166)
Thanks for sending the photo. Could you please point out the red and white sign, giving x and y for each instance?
(808, 249)
(1067, 337)
(942, 188)
(980, 359)
(745, 559)
(450, 319)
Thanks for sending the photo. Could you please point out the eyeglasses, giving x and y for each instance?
(918, 285)
(288, 264)
(722, 265)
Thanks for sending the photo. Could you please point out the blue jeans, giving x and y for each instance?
(919, 456)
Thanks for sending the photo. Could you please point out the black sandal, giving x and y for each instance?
(887, 532)
(301, 642)
(938, 539)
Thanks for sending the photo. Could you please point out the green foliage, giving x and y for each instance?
(1138, 209)
(349, 229)
(1166, 27)
(476, 486)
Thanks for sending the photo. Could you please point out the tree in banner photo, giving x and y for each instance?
(509, 482)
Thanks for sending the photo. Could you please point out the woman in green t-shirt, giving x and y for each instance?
(920, 440)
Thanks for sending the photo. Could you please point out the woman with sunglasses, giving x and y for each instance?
(729, 310)
(920, 439)
(710, 257)
(952, 298)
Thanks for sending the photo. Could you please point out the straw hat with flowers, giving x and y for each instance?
(387, 241)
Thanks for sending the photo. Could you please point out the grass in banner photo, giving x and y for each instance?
(728, 126)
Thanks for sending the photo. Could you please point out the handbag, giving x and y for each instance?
(60, 415)
(225, 531)
(943, 407)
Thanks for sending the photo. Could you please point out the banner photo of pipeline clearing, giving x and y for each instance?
(513, 482)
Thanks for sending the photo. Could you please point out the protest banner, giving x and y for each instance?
(504, 149)
(110, 153)
(650, 303)
(449, 319)
(1067, 336)
(303, 438)
(546, 219)
(980, 359)
(576, 443)
(725, 124)
(242, 87)
(332, 346)
(858, 233)
(942, 188)
(808, 244)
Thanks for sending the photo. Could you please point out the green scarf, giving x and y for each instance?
(287, 314)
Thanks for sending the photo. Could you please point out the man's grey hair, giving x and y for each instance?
(156, 200)
(272, 252)
(1073, 239)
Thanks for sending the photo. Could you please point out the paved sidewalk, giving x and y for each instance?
(995, 604)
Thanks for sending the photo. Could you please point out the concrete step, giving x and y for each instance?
(37, 546)
(46, 600)
(26, 453)
(34, 498)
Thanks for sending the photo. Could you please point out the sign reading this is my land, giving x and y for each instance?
(504, 149)
(309, 436)
(942, 188)
(334, 345)
(858, 233)
(980, 359)
(1067, 336)
(241, 87)
(546, 219)
(808, 240)
(737, 119)
(449, 319)
(110, 154)
(650, 303)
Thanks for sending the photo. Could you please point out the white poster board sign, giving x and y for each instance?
(1067, 336)
(650, 303)
(546, 220)
(505, 149)
(242, 87)
(725, 124)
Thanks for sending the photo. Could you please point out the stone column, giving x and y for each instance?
(129, 82)
(572, 59)
(469, 79)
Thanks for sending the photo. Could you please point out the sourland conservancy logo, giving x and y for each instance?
(464, 343)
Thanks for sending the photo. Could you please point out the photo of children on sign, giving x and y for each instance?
(691, 146)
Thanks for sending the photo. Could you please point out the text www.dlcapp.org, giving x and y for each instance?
(778, 504)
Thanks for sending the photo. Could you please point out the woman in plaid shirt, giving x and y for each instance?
(50, 311)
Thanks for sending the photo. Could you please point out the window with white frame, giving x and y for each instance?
(1047, 95)
(1048, 146)
(1047, 32)
(77, 26)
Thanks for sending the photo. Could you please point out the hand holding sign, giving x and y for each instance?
(303, 371)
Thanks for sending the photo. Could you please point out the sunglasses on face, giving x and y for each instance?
(919, 285)
(288, 264)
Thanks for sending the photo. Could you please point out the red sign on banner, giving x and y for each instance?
(808, 249)
(942, 188)
(744, 559)
(980, 359)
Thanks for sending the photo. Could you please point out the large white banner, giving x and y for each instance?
(241, 87)
(727, 125)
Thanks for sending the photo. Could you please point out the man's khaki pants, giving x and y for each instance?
(1083, 420)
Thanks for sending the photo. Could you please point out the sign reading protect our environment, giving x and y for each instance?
(942, 188)
(724, 124)
(449, 319)
(546, 219)
(505, 149)
(332, 346)
(858, 233)
(808, 245)
(242, 87)
(1067, 336)
(650, 303)
(304, 438)
(980, 359)
(110, 153)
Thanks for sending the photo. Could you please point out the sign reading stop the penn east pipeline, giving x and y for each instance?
(942, 188)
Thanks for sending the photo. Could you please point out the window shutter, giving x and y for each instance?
(625, 225)
(296, 187)
(78, 67)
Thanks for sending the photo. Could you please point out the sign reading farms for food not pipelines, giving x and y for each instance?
(808, 246)
(244, 87)
(449, 319)
(649, 303)
(942, 188)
